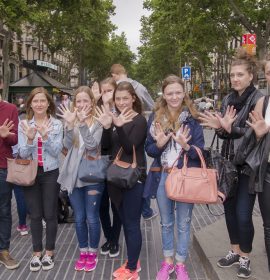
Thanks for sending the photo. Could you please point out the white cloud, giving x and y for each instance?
(127, 18)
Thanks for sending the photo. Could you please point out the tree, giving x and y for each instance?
(12, 14)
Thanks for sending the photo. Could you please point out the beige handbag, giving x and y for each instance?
(192, 184)
(21, 172)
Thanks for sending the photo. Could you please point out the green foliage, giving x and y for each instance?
(179, 32)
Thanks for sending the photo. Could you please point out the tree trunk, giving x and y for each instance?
(6, 51)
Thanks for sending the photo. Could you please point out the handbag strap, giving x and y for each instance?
(216, 215)
(213, 141)
(203, 164)
(134, 158)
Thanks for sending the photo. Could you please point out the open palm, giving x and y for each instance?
(103, 117)
(66, 114)
(258, 124)
(5, 129)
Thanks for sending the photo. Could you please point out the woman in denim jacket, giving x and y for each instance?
(40, 138)
(172, 130)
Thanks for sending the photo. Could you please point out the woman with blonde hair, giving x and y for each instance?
(82, 138)
(172, 130)
(40, 137)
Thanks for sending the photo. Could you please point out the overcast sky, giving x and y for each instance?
(127, 19)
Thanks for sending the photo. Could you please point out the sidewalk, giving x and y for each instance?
(151, 254)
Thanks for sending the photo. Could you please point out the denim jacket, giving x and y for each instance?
(153, 177)
(51, 148)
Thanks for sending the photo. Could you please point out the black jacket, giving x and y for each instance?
(232, 140)
(254, 154)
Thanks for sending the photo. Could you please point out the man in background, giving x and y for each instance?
(119, 74)
(8, 138)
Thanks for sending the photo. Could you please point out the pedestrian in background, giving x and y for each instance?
(127, 130)
(231, 127)
(8, 138)
(173, 129)
(82, 137)
(40, 138)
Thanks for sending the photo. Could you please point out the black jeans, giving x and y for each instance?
(111, 229)
(42, 202)
(238, 215)
(5, 211)
(130, 213)
(264, 203)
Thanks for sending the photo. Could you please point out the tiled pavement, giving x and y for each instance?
(67, 251)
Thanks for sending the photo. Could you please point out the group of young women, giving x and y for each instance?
(114, 120)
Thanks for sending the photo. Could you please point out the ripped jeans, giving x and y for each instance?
(85, 202)
(167, 211)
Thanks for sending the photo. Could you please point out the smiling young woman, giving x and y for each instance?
(231, 127)
(172, 129)
(40, 137)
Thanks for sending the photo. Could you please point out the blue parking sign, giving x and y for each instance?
(186, 73)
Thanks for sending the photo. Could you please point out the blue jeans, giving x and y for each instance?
(21, 206)
(167, 209)
(85, 202)
(147, 211)
(5, 211)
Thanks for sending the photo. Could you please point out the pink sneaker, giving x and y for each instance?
(80, 263)
(22, 229)
(91, 262)
(119, 271)
(181, 272)
(165, 271)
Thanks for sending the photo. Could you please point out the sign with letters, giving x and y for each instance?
(186, 73)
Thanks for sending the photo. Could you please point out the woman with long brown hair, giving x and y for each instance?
(126, 129)
(40, 137)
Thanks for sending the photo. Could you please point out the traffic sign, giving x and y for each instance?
(186, 73)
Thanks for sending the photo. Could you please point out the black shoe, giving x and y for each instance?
(114, 250)
(105, 248)
(35, 263)
(229, 260)
(47, 262)
(244, 270)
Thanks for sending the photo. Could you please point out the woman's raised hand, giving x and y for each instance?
(84, 113)
(126, 116)
(96, 91)
(103, 117)
(160, 136)
(5, 128)
(258, 124)
(44, 128)
(209, 119)
(228, 119)
(107, 97)
(67, 115)
(183, 136)
(29, 131)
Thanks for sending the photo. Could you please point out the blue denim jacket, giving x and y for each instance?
(51, 148)
(153, 177)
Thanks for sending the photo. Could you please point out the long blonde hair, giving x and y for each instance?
(91, 121)
(163, 116)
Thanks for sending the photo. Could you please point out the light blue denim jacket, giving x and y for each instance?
(51, 148)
